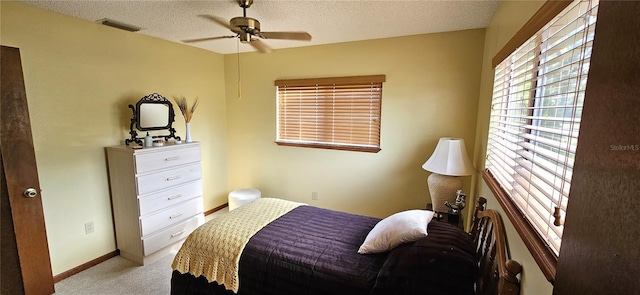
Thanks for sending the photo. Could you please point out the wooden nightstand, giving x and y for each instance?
(447, 217)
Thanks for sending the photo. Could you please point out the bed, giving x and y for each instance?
(309, 250)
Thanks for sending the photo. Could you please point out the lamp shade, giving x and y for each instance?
(450, 158)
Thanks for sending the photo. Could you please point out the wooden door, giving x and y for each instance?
(27, 240)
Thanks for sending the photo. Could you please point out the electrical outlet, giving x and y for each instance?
(314, 196)
(88, 227)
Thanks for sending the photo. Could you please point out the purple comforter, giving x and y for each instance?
(312, 250)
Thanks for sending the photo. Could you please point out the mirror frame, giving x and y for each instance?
(153, 98)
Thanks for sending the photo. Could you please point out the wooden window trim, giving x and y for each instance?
(332, 80)
(332, 147)
(545, 14)
(544, 257)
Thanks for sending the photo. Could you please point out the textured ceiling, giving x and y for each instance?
(327, 21)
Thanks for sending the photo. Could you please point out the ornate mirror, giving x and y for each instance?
(152, 112)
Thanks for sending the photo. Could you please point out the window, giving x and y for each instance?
(333, 113)
(535, 119)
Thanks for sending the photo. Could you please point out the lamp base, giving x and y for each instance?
(443, 188)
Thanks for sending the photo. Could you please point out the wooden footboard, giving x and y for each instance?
(498, 273)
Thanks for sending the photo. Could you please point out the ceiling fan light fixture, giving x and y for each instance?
(244, 37)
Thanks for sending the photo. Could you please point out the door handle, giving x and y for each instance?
(30, 192)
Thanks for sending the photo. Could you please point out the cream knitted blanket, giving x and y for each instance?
(213, 250)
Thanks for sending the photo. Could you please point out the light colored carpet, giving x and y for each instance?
(120, 276)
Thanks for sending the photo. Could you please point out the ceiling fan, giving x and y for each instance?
(248, 30)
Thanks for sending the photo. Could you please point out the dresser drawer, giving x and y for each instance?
(152, 223)
(167, 178)
(171, 235)
(146, 162)
(166, 198)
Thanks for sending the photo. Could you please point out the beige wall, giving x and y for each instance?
(431, 91)
(80, 77)
(508, 19)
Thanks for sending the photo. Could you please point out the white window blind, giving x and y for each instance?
(535, 117)
(335, 113)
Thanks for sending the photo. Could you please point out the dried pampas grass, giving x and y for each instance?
(187, 112)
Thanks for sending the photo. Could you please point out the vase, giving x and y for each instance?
(188, 135)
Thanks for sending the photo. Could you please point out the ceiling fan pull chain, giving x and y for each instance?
(239, 84)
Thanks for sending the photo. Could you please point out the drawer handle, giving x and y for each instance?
(174, 197)
(177, 234)
(175, 216)
(173, 178)
(171, 158)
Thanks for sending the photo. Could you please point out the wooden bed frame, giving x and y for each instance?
(498, 273)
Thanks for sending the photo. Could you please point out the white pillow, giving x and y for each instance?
(399, 228)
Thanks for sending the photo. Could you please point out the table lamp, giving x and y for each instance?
(448, 162)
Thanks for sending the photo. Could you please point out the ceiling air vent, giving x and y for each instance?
(118, 25)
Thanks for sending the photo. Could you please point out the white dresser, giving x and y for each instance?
(156, 194)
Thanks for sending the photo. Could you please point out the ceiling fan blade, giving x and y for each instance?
(260, 46)
(302, 36)
(217, 20)
(206, 39)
